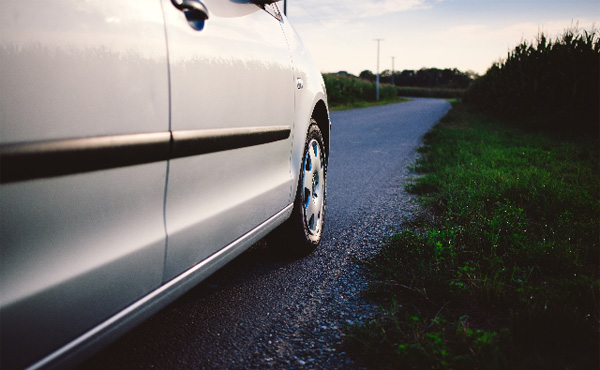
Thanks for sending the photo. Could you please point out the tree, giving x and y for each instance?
(367, 75)
(425, 77)
(386, 76)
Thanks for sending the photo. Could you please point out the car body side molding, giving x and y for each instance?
(187, 143)
(36, 160)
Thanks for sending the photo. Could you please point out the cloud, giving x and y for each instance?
(475, 46)
(325, 10)
(510, 34)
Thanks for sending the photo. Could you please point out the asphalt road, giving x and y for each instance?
(262, 311)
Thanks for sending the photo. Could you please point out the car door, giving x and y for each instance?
(232, 101)
(83, 128)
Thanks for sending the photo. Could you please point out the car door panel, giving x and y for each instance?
(65, 213)
(76, 249)
(235, 73)
(79, 246)
(81, 69)
(224, 207)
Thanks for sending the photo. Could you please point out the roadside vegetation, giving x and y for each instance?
(546, 84)
(423, 78)
(345, 91)
(431, 92)
(426, 82)
(501, 270)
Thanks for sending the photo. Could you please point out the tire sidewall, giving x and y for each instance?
(312, 240)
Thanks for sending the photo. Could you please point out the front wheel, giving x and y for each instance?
(301, 234)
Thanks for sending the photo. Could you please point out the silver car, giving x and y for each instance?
(143, 145)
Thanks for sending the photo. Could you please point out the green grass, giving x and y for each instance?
(431, 92)
(501, 270)
(364, 104)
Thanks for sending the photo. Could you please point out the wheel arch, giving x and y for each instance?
(321, 115)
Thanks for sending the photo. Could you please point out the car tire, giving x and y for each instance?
(301, 233)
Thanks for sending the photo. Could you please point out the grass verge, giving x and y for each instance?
(431, 92)
(364, 104)
(501, 271)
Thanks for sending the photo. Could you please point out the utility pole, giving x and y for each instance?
(377, 83)
(393, 70)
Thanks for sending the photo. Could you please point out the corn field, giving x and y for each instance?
(549, 84)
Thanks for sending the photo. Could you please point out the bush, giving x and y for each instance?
(343, 89)
(548, 84)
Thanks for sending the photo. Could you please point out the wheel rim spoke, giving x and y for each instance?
(313, 184)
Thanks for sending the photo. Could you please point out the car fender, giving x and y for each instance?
(310, 99)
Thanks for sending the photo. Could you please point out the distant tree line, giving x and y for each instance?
(425, 77)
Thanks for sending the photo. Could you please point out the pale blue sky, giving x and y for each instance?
(463, 34)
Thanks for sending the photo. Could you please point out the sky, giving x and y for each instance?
(469, 35)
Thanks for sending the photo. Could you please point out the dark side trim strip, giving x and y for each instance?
(28, 161)
(196, 142)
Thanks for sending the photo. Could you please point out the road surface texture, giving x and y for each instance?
(263, 311)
